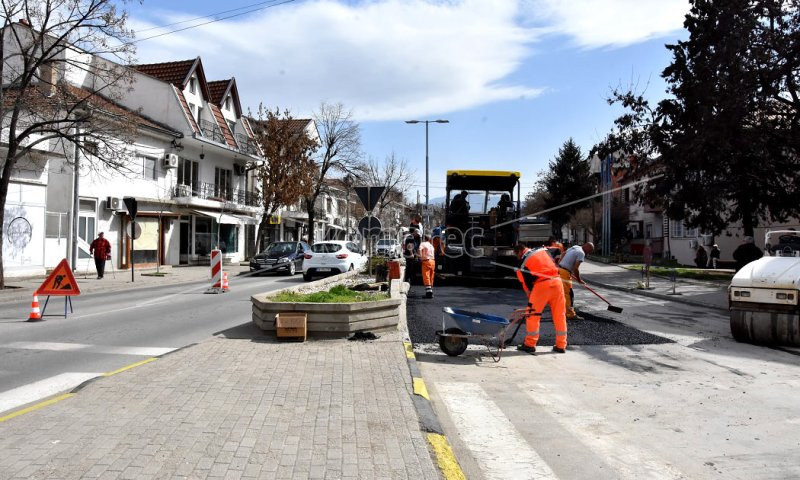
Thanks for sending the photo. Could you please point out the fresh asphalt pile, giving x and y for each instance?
(425, 317)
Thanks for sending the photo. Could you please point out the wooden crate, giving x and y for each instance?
(290, 326)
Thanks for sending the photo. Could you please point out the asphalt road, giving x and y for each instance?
(108, 331)
(700, 406)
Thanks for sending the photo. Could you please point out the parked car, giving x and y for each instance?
(388, 247)
(285, 257)
(332, 257)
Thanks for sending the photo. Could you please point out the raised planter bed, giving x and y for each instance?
(337, 319)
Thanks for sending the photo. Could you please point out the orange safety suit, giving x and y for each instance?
(539, 277)
(426, 255)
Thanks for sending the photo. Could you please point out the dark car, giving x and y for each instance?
(285, 257)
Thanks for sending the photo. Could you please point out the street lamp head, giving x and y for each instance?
(442, 121)
(412, 121)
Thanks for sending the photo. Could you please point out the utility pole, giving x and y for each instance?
(427, 189)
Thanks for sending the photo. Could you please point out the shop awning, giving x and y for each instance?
(334, 227)
(226, 218)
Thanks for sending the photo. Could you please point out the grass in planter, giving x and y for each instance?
(337, 294)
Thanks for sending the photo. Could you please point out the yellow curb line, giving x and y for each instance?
(445, 458)
(36, 406)
(128, 367)
(409, 350)
(420, 388)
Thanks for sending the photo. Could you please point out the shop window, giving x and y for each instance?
(229, 238)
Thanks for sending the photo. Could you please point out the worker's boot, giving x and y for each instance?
(526, 349)
(559, 350)
(429, 293)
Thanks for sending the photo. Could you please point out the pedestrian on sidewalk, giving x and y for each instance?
(700, 257)
(428, 264)
(538, 275)
(569, 268)
(410, 253)
(714, 256)
(746, 252)
(101, 250)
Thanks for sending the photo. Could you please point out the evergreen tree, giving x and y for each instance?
(568, 178)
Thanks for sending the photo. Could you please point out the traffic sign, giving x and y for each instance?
(132, 205)
(369, 227)
(134, 230)
(61, 281)
(369, 196)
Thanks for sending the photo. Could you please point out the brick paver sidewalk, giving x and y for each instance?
(236, 406)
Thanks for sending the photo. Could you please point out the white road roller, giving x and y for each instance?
(763, 295)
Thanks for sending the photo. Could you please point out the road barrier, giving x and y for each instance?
(225, 287)
(216, 272)
(35, 315)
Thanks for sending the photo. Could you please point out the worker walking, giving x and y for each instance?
(539, 277)
(428, 264)
(569, 267)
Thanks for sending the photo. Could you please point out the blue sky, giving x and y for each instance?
(516, 78)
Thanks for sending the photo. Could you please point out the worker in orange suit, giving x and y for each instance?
(539, 277)
(426, 256)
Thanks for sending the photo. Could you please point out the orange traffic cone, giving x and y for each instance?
(36, 315)
(225, 287)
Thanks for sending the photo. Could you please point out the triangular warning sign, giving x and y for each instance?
(61, 281)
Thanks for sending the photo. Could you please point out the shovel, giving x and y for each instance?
(611, 308)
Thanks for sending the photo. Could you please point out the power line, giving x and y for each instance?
(212, 21)
(210, 15)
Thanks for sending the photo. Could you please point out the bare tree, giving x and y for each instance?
(288, 171)
(83, 41)
(340, 137)
(393, 174)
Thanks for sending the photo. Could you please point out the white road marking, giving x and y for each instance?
(499, 449)
(43, 388)
(108, 349)
(597, 433)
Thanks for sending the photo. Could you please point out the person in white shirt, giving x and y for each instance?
(428, 263)
(569, 267)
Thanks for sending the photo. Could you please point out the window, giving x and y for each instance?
(87, 213)
(188, 173)
(196, 111)
(677, 229)
(228, 238)
(328, 205)
(223, 183)
(228, 103)
(193, 85)
(232, 126)
(149, 167)
(56, 225)
(648, 230)
(353, 248)
(326, 247)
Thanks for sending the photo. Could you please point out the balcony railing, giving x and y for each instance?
(212, 191)
(246, 144)
(212, 131)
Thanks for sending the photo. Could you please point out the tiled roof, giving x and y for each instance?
(223, 125)
(217, 89)
(298, 125)
(70, 95)
(170, 72)
(186, 110)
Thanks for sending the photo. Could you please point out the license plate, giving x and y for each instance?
(323, 269)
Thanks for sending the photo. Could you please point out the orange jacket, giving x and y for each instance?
(535, 265)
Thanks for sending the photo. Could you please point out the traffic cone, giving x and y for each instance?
(225, 287)
(36, 315)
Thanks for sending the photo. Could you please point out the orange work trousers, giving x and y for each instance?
(428, 269)
(569, 295)
(546, 292)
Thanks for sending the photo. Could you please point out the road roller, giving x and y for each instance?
(763, 295)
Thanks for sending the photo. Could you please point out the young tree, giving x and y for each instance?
(341, 152)
(726, 141)
(288, 171)
(568, 178)
(39, 109)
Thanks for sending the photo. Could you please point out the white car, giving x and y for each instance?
(332, 257)
(387, 248)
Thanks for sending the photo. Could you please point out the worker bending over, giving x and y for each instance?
(539, 277)
(428, 264)
(569, 267)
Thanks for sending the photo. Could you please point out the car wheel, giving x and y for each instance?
(292, 269)
(307, 277)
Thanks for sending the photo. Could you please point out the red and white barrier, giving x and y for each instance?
(216, 272)
(225, 286)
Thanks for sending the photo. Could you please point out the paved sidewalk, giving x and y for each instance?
(239, 405)
(121, 280)
(693, 292)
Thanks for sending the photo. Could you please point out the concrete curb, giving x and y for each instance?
(660, 296)
(429, 422)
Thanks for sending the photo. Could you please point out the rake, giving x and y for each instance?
(611, 308)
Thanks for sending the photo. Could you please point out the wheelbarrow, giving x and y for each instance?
(459, 326)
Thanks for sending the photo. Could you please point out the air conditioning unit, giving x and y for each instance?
(183, 190)
(170, 160)
(113, 203)
(239, 169)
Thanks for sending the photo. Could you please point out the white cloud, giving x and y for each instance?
(386, 59)
(599, 23)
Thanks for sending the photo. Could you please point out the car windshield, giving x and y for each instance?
(326, 247)
(280, 249)
(385, 242)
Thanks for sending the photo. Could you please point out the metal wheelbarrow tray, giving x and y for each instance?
(458, 326)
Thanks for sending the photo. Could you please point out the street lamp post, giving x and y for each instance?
(427, 190)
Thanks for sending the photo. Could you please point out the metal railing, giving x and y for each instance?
(213, 191)
(246, 144)
(212, 131)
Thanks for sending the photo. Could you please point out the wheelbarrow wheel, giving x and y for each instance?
(453, 346)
